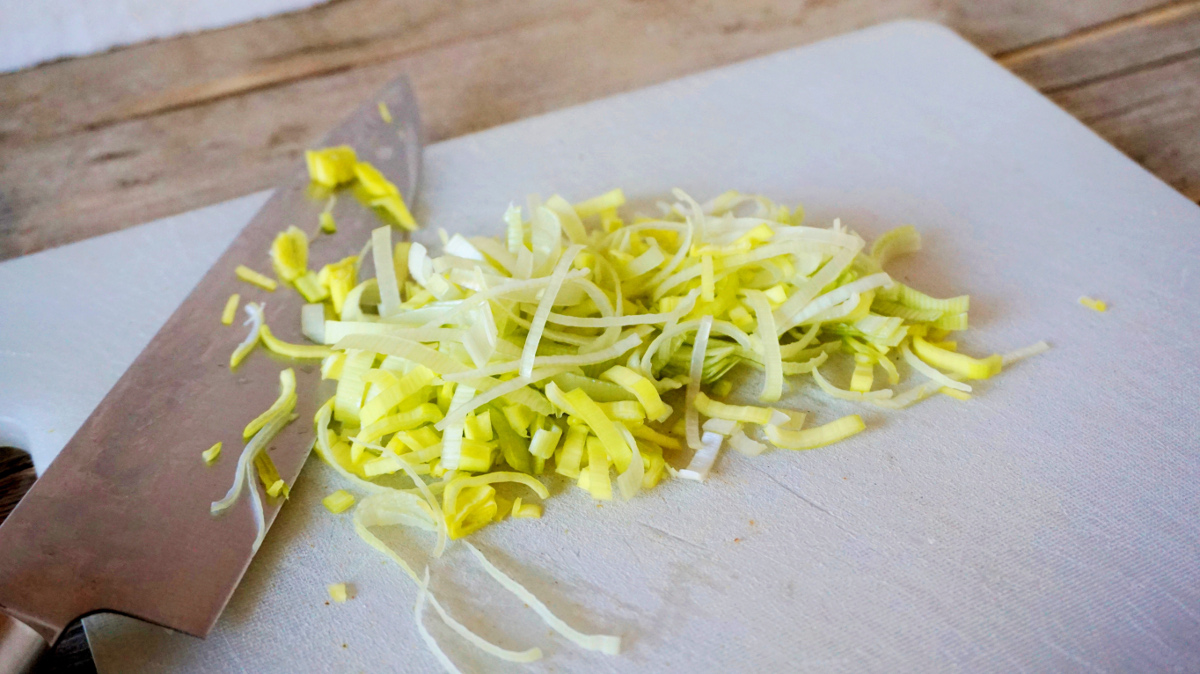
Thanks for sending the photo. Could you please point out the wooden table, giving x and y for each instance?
(95, 144)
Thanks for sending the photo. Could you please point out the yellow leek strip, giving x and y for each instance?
(402, 421)
(331, 166)
(328, 225)
(772, 356)
(648, 434)
(338, 502)
(395, 394)
(290, 350)
(272, 483)
(864, 373)
(571, 457)
(527, 510)
(230, 309)
(254, 278)
(1093, 304)
(599, 483)
(604, 428)
(210, 455)
(744, 413)
(589, 207)
(954, 393)
(820, 436)
(337, 592)
(289, 253)
(958, 363)
(277, 487)
(641, 388)
(450, 497)
(707, 286)
(309, 285)
(393, 205)
(282, 405)
(384, 113)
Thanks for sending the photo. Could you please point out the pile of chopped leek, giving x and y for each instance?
(588, 346)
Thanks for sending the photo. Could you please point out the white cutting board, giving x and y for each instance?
(1047, 525)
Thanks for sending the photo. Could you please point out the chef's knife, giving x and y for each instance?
(120, 521)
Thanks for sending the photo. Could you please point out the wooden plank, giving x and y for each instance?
(96, 144)
(1136, 82)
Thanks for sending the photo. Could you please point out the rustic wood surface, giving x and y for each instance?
(95, 144)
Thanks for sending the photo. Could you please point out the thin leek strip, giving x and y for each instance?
(431, 500)
(529, 655)
(642, 388)
(842, 394)
(605, 429)
(684, 308)
(772, 356)
(805, 292)
(958, 363)
(254, 312)
(745, 445)
(743, 413)
(460, 410)
(312, 322)
(385, 271)
(834, 431)
(610, 645)
(402, 348)
(898, 241)
(544, 362)
(452, 431)
(702, 461)
(335, 331)
(930, 372)
(256, 508)
(1025, 352)
(254, 278)
(324, 416)
(289, 350)
(246, 460)
(405, 509)
(230, 310)
(629, 481)
(835, 297)
(284, 404)
(699, 347)
(671, 331)
(598, 483)
(529, 353)
(418, 608)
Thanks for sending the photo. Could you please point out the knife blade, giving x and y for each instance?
(120, 521)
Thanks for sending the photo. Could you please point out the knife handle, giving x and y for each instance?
(20, 646)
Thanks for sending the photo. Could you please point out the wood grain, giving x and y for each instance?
(100, 143)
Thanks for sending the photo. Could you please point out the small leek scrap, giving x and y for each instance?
(338, 502)
(230, 310)
(254, 278)
(339, 167)
(338, 592)
(1093, 304)
(210, 455)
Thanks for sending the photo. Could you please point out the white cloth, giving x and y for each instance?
(36, 31)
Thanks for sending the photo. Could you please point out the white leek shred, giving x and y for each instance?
(629, 482)
(430, 642)
(610, 645)
(772, 360)
(529, 353)
(385, 271)
(244, 472)
(745, 444)
(702, 461)
(529, 655)
(696, 373)
(254, 318)
(312, 322)
(1025, 352)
